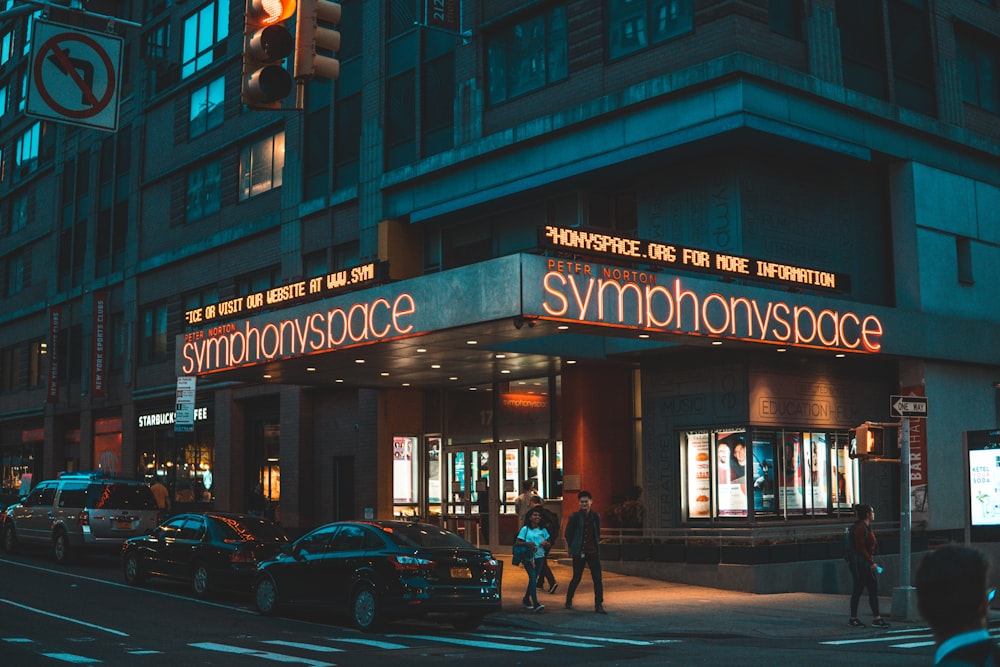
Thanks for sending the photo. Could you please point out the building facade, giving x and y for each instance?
(674, 253)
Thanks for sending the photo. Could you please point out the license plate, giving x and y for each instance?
(461, 573)
(124, 525)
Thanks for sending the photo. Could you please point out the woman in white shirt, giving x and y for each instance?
(532, 536)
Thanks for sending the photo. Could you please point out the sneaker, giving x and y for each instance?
(600, 609)
(552, 588)
(855, 623)
(879, 623)
(539, 607)
(528, 605)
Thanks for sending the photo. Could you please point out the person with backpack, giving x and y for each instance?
(952, 595)
(864, 569)
(550, 523)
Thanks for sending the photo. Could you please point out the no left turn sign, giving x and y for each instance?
(75, 76)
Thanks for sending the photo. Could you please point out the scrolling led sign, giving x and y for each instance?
(302, 290)
(690, 259)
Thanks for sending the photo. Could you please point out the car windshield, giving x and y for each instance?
(120, 496)
(248, 529)
(423, 535)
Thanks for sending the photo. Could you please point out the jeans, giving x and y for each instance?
(544, 572)
(531, 594)
(592, 561)
(863, 578)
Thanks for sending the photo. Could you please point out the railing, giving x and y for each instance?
(739, 536)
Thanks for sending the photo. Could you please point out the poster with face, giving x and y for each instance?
(731, 475)
(816, 454)
(791, 475)
(763, 476)
(699, 476)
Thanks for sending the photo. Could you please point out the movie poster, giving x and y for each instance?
(791, 473)
(763, 477)
(816, 451)
(731, 473)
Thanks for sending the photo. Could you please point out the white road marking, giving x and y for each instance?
(543, 640)
(307, 647)
(874, 640)
(369, 642)
(66, 618)
(608, 640)
(69, 657)
(467, 642)
(266, 655)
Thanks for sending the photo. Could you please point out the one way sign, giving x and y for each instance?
(75, 76)
(908, 406)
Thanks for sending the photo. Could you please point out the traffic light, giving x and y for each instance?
(309, 36)
(266, 42)
(867, 441)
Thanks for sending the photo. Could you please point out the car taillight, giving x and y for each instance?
(242, 557)
(83, 518)
(411, 564)
(492, 565)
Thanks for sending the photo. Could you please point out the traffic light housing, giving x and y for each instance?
(266, 42)
(310, 36)
(867, 441)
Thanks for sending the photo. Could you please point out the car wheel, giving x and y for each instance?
(265, 595)
(366, 610)
(201, 581)
(61, 548)
(132, 569)
(468, 623)
(9, 540)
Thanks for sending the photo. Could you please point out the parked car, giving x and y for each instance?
(211, 550)
(80, 512)
(382, 570)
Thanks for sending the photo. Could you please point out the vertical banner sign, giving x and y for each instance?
(918, 458)
(443, 14)
(55, 322)
(184, 408)
(98, 366)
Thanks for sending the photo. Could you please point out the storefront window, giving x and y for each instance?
(184, 462)
(405, 477)
(16, 465)
(722, 467)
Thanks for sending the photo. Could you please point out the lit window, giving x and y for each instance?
(203, 31)
(261, 166)
(206, 107)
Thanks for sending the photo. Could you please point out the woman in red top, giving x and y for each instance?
(863, 567)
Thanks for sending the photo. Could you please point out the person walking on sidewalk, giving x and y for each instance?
(550, 523)
(864, 569)
(583, 534)
(532, 536)
(952, 596)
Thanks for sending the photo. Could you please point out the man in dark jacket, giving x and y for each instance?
(583, 535)
(952, 596)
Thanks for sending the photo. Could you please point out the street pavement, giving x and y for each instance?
(641, 606)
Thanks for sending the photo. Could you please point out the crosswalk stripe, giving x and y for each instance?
(912, 645)
(69, 657)
(607, 640)
(544, 640)
(464, 641)
(307, 647)
(368, 642)
(267, 655)
(873, 640)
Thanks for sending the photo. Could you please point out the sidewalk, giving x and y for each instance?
(640, 606)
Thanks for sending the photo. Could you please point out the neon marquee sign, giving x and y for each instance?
(301, 332)
(582, 292)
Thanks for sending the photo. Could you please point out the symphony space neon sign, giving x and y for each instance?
(233, 345)
(632, 298)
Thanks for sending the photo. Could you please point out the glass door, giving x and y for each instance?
(467, 504)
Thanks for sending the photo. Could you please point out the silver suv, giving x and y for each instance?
(80, 512)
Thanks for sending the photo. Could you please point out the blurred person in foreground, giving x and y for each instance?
(953, 597)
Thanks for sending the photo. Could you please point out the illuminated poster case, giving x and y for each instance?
(983, 449)
(736, 473)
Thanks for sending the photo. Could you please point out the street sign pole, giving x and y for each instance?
(904, 597)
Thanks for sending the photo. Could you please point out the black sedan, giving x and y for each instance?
(381, 570)
(211, 550)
